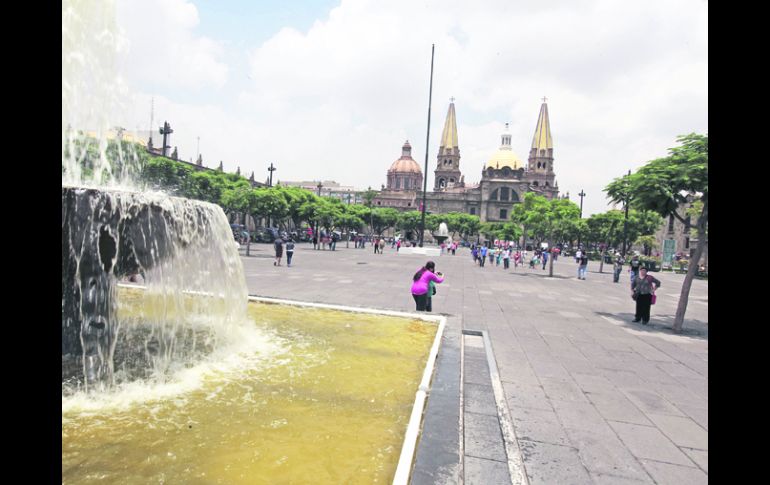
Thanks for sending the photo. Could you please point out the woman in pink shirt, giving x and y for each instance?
(421, 285)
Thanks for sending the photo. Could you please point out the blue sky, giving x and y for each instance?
(331, 90)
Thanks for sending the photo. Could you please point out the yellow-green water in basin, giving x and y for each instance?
(330, 405)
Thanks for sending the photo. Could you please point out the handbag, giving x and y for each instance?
(633, 296)
(652, 301)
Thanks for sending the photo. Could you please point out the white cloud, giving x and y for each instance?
(164, 50)
(337, 102)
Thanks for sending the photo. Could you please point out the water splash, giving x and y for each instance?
(195, 297)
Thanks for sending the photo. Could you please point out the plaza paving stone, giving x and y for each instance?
(594, 398)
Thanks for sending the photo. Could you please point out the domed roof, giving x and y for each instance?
(406, 163)
(504, 158)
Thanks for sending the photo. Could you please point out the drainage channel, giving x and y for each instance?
(490, 451)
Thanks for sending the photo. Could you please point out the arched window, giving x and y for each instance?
(441, 183)
(505, 193)
(406, 183)
(398, 183)
(535, 183)
(452, 180)
(514, 196)
(546, 183)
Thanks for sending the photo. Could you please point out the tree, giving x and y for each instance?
(368, 197)
(409, 221)
(519, 213)
(547, 219)
(664, 185)
(649, 242)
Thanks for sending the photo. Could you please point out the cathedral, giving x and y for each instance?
(505, 178)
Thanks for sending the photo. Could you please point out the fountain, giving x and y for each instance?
(443, 233)
(186, 378)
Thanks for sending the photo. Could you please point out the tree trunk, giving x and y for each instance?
(601, 260)
(691, 270)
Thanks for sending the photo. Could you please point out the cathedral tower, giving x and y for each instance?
(447, 173)
(541, 153)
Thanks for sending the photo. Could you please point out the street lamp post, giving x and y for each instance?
(271, 169)
(625, 222)
(581, 194)
(317, 222)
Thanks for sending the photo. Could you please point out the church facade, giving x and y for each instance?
(505, 178)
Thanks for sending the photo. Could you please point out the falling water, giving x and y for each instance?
(112, 230)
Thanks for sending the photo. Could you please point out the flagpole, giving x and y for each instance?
(427, 144)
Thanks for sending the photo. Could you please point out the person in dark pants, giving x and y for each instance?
(635, 264)
(643, 290)
(421, 284)
(289, 251)
(618, 267)
(278, 251)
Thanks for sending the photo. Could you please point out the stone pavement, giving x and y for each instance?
(593, 397)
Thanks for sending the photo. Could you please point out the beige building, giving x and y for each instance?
(505, 177)
(684, 242)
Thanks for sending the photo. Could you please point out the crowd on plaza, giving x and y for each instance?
(643, 285)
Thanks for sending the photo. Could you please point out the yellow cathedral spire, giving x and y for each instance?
(449, 137)
(542, 139)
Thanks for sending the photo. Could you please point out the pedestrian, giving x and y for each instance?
(334, 241)
(618, 267)
(643, 291)
(583, 265)
(398, 245)
(278, 245)
(491, 254)
(376, 245)
(315, 241)
(578, 254)
(420, 285)
(517, 259)
(634, 264)
(474, 254)
(498, 255)
(533, 261)
(382, 245)
(289, 251)
(483, 255)
(454, 248)
(545, 258)
(506, 258)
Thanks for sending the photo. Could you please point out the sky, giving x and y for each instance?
(329, 89)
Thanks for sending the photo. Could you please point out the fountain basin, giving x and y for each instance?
(332, 405)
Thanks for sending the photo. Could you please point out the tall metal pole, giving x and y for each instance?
(427, 144)
(625, 223)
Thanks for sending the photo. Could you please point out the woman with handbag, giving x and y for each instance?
(643, 291)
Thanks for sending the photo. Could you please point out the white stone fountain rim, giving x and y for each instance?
(404, 467)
